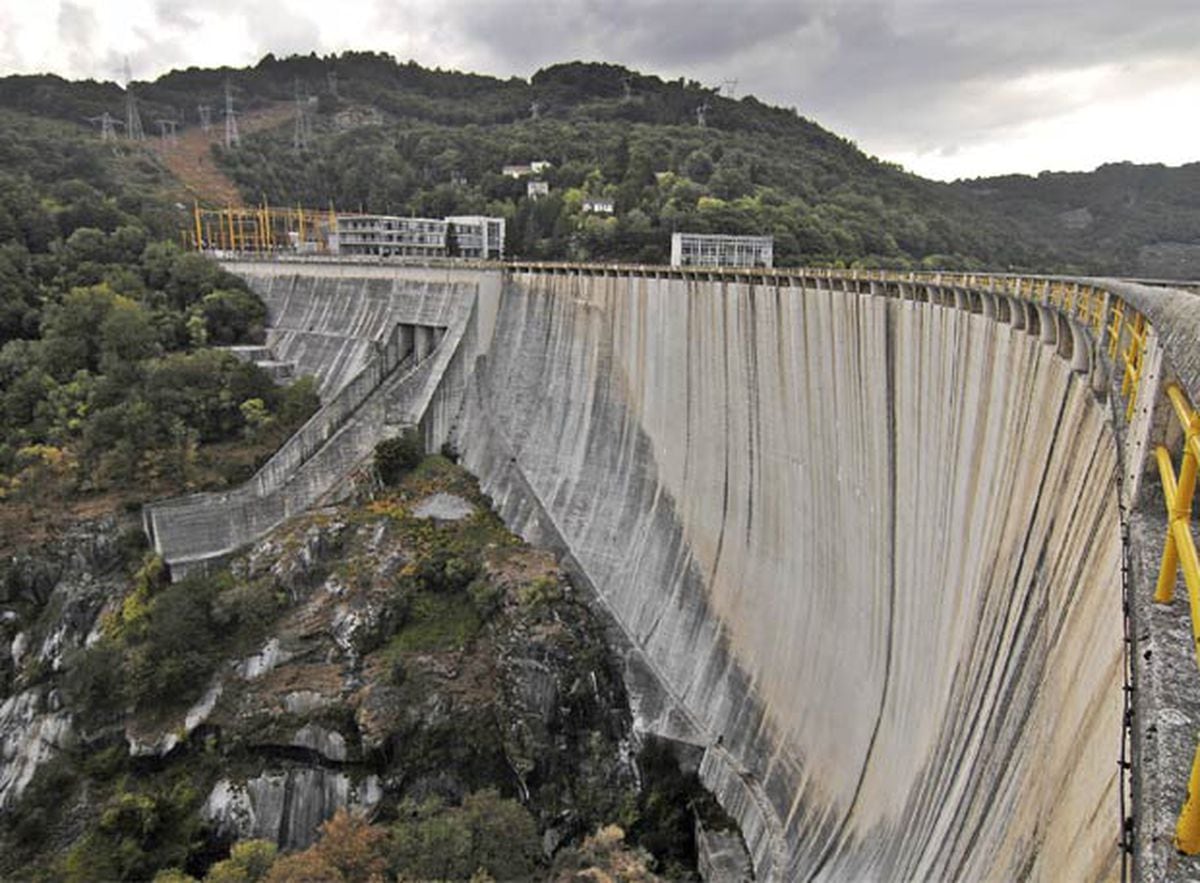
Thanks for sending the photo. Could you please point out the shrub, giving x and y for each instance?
(249, 861)
(488, 832)
(396, 456)
(485, 595)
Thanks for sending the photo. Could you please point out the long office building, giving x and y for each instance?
(466, 236)
(719, 250)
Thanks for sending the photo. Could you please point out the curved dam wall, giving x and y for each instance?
(870, 548)
(864, 550)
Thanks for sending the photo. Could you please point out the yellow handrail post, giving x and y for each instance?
(199, 232)
(1115, 330)
(1179, 552)
(1133, 363)
(1187, 830)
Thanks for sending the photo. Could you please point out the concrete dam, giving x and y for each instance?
(868, 541)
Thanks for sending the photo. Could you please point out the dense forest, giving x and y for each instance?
(393, 137)
(112, 379)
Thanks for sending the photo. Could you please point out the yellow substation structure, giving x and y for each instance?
(261, 229)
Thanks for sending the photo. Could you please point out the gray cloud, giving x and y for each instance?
(901, 76)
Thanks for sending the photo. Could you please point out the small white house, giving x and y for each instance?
(599, 206)
(537, 189)
(520, 170)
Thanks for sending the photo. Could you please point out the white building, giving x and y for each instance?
(520, 170)
(599, 206)
(719, 250)
(537, 189)
(475, 236)
(478, 236)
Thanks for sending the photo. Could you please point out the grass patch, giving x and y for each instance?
(437, 622)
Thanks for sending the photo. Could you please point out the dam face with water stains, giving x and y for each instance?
(863, 542)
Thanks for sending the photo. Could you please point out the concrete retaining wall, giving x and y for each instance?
(328, 322)
(393, 390)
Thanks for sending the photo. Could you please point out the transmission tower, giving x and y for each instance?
(535, 110)
(232, 139)
(166, 132)
(108, 126)
(627, 85)
(205, 117)
(729, 87)
(301, 132)
(702, 114)
(133, 119)
(331, 78)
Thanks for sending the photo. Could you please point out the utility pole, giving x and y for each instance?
(108, 126)
(205, 117)
(300, 132)
(232, 139)
(627, 85)
(166, 132)
(332, 79)
(133, 119)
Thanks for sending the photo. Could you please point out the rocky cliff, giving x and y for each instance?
(403, 651)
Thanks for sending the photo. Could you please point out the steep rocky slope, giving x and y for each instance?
(404, 652)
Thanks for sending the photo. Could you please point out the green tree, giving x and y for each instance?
(127, 336)
(72, 331)
(232, 316)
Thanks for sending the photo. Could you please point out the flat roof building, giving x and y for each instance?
(719, 250)
(474, 236)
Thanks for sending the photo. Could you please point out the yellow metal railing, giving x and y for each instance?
(1179, 552)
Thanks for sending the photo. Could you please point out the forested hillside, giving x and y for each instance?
(112, 385)
(389, 137)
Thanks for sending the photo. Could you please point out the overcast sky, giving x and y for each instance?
(948, 88)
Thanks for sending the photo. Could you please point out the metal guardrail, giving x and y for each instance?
(1179, 552)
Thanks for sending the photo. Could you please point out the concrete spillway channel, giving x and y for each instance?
(863, 538)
